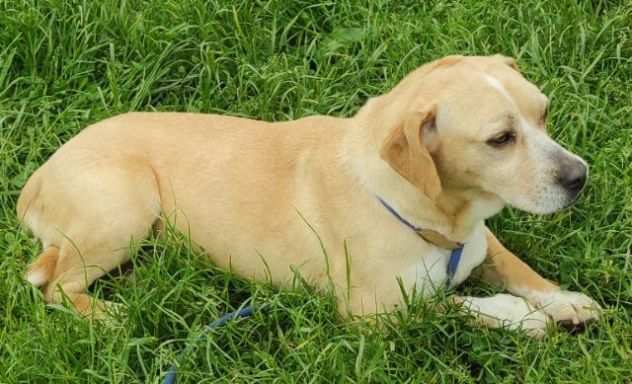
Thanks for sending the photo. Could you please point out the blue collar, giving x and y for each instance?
(455, 254)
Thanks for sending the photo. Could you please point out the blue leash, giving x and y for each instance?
(398, 216)
(246, 311)
(455, 254)
(453, 263)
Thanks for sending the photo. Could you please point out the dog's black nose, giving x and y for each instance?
(573, 177)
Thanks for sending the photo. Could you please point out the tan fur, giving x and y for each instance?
(505, 269)
(43, 268)
(268, 199)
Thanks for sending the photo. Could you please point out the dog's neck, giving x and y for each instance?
(467, 209)
(454, 213)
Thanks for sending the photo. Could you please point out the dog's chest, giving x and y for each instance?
(431, 271)
(474, 252)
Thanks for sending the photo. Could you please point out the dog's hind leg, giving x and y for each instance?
(86, 218)
(41, 271)
(76, 270)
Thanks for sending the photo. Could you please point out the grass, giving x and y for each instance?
(65, 64)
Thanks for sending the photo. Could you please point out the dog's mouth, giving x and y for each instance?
(546, 200)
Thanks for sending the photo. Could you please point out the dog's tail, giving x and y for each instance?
(41, 271)
(29, 193)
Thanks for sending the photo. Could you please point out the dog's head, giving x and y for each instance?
(475, 123)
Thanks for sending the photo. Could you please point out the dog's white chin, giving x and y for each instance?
(536, 210)
(545, 204)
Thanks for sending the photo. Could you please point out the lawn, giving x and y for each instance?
(66, 64)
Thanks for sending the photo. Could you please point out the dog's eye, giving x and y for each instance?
(502, 139)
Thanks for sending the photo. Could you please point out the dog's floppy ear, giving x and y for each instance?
(404, 150)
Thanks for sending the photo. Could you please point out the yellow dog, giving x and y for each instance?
(393, 193)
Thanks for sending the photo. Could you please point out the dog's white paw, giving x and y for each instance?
(508, 311)
(567, 306)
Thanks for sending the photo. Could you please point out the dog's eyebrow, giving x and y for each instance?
(506, 120)
(507, 117)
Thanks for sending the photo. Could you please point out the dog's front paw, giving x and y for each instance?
(507, 311)
(566, 306)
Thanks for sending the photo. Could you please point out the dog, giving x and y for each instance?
(394, 197)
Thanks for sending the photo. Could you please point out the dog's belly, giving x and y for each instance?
(259, 229)
(276, 259)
